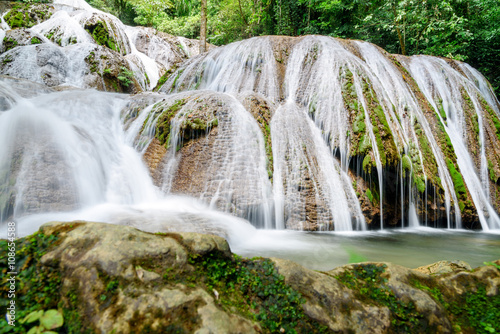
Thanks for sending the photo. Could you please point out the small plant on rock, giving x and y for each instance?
(125, 77)
(49, 320)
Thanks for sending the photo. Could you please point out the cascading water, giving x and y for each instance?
(232, 175)
(306, 174)
(366, 107)
(310, 133)
(396, 93)
(65, 148)
(242, 67)
(447, 90)
(67, 156)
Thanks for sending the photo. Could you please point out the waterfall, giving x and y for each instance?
(447, 89)
(365, 106)
(67, 150)
(232, 175)
(309, 133)
(66, 155)
(247, 66)
(306, 174)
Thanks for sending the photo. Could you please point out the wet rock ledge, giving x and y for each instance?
(116, 279)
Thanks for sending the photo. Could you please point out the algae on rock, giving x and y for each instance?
(194, 282)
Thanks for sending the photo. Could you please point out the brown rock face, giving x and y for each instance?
(359, 297)
(444, 267)
(153, 157)
(93, 256)
(208, 147)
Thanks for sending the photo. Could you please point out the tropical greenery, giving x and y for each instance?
(466, 30)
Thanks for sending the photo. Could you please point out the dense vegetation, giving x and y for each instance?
(466, 30)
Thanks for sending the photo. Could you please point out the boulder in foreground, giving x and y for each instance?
(107, 278)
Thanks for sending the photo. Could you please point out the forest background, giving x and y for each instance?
(466, 30)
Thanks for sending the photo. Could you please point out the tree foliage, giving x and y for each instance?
(467, 30)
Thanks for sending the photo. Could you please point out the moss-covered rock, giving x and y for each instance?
(167, 113)
(109, 71)
(26, 15)
(100, 33)
(106, 32)
(262, 110)
(19, 37)
(109, 278)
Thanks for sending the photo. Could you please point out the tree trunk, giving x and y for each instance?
(398, 29)
(203, 29)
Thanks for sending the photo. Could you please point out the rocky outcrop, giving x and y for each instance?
(19, 37)
(393, 141)
(51, 65)
(386, 298)
(109, 278)
(208, 140)
(27, 15)
(108, 71)
(163, 48)
(444, 267)
(85, 48)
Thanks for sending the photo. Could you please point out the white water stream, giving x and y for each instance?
(73, 160)
(441, 84)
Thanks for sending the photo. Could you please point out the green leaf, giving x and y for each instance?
(33, 316)
(35, 330)
(52, 319)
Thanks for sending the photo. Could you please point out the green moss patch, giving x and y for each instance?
(27, 15)
(254, 289)
(38, 287)
(368, 163)
(35, 40)
(360, 141)
(101, 35)
(493, 174)
(492, 116)
(261, 112)
(125, 77)
(9, 43)
(388, 151)
(470, 312)
(162, 132)
(406, 164)
(458, 182)
(451, 162)
(429, 160)
(163, 79)
(413, 160)
(369, 285)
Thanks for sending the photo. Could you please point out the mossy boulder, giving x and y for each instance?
(26, 15)
(109, 71)
(100, 33)
(196, 121)
(106, 280)
(109, 278)
(19, 37)
(106, 32)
